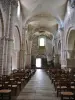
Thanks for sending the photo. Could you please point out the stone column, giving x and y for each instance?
(1, 55)
(7, 42)
(21, 60)
(22, 52)
(63, 50)
(56, 55)
(10, 40)
(30, 48)
(28, 55)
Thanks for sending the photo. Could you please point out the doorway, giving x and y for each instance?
(38, 62)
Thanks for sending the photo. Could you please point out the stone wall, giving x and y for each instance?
(69, 25)
(12, 34)
(36, 50)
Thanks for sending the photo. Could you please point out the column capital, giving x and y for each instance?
(22, 50)
(6, 38)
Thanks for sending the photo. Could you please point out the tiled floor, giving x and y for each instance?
(38, 88)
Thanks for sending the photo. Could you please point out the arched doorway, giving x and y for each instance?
(38, 62)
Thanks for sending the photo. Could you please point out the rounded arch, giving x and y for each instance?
(68, 33)
(17, 38)
(19, 34)
(70, 41)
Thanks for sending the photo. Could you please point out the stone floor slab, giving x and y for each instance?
(38, 88)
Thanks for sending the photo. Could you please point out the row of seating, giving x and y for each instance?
(63, 81)
(11, 84)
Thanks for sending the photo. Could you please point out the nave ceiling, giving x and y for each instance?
(44, 15)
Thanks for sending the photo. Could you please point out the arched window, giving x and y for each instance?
(18, 10)
(42, 41)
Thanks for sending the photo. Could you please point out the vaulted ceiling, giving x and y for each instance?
(43, 14)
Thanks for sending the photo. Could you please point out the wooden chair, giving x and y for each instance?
(13, 85)
(5, 92)
(63, 85)
(18, 81)
(68, 95)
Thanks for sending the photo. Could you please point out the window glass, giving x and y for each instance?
(42, 42)
(18, 9)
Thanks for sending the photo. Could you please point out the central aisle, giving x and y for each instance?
(38, 88)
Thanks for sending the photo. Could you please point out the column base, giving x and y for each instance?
(63, 66)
